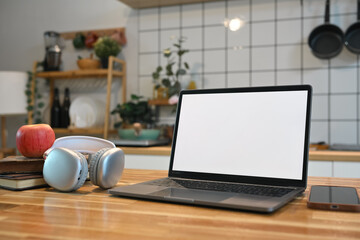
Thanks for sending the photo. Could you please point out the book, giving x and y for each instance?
(21, 181)
(17, 164)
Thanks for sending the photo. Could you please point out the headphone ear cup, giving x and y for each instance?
(106, 167)
(65, 170)
(84, 173)
(94, 160)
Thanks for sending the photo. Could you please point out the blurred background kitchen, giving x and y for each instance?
(267, 46)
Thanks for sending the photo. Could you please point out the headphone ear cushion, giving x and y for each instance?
(94, 160)
(106, 167)
(65, 170)
(84, 172)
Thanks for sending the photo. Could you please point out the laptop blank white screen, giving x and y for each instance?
(258, 134)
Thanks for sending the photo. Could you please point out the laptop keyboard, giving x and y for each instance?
(224, 187)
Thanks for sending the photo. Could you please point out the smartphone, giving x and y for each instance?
(334, 198)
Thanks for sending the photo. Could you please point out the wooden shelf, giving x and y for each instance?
(159, 102)
(108, 74)
(99, 32)
(85, 131)
(160, 3)
(95, 73)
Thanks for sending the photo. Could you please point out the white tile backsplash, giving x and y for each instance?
(270, 49)
(262, 58)
(292, 77)
(343, 107)
(148, 19)
(238, 60)
(319, 131)
(214, 37)
(195, 61)
(288, 31)
(263, 10)
(320, 107)
(192, 15)
(194, 39)
(214, 61)
(149, 41)
(343, 80)
(214, 80)
(239, 9)
(288, 9)
(288, 57)
(238, 80)
(343, 132)
(318, 79)
(262, 79)
(170, 17)
(240, 38)
(148, 63)
(263, 33)
(214, 13)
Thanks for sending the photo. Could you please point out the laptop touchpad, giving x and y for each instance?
(193, 194)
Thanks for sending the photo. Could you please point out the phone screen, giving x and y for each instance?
(336, 195)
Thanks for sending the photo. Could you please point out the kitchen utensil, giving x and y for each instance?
(352, 34)
(54, 44)
(326, 40)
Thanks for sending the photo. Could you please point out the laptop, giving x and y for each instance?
(236, 148)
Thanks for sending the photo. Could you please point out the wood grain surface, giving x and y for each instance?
(91, 213)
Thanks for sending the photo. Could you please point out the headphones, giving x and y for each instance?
(67, 169)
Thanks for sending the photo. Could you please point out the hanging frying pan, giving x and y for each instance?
(352, 34)
(326, 40)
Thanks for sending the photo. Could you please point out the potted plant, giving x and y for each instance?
(136, 115)
(105, 47)
(171, 81)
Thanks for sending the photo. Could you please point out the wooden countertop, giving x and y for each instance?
(91, 213)
(320, 155)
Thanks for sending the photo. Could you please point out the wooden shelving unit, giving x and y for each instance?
(109, 74)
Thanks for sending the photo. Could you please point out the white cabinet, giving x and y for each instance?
(320, 168)
(154, 162)
(334, 169)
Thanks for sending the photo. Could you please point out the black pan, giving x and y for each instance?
(326, 40)
(352, 34)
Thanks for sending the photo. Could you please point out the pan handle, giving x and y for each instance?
(327, 11)
(358, 11)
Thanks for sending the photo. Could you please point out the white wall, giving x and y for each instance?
(274, 48)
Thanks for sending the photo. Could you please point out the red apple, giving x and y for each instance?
(34, 139)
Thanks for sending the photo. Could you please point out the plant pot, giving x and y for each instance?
(145, 134)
